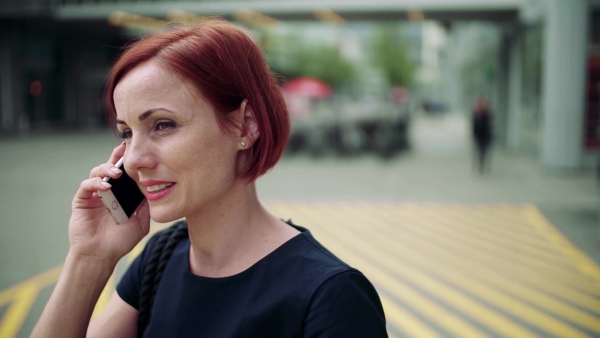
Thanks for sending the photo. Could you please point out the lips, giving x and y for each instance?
(156, 190)
(157, 187)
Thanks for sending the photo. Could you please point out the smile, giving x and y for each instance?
(158, 187)
(156, 190)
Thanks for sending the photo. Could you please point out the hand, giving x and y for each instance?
(93, 233)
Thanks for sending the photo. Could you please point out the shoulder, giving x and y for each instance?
(316, 257)
(345, 304)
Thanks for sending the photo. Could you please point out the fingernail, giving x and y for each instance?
(105, 184)
(115, 170)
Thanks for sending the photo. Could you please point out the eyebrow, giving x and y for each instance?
(146, 115)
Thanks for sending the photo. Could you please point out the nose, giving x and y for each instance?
(139, 156)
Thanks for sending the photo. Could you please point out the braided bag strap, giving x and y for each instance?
(155, 267)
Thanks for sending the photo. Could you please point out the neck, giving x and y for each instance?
(234, 233)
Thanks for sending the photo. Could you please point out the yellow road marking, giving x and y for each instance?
(458, 221)
(15, 315)
(585, 264)
(107, 292)
(483, 258)
(405, 321)
(447, 263)
(487, 227)
(439, 225)
(42, 280)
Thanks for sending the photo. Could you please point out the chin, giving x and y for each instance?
(164, 216)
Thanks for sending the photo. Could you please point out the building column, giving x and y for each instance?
(563, 83)
(513, 132)
(502, 92)
(8, 122)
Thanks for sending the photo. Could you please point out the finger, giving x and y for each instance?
(88, 187)
(117, 153)
(105, 170)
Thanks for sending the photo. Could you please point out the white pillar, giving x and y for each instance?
(563, 83)
(513, 137)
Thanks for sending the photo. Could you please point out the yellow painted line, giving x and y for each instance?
(508, 220)
(433, 221)
(439, 290)
(404, 321)
(18, 310)
(490, 225)
(586, 265)
(515, 260)
(42, 280)
(467, 256)
(490, 295)
(447, 263)
(481, 231)
(447, 228)
(107, 292)
(20, 297)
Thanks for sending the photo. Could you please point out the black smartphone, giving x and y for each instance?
(123, 198)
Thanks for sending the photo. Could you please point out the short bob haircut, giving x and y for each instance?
(227, 67)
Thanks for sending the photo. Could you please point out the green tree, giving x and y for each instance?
(290, 57)
(390, 55)
(326, 63)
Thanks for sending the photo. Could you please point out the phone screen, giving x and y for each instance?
(126, 192)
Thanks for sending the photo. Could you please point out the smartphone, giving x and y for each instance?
(123, 198)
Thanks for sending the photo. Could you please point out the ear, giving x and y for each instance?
(249, 130)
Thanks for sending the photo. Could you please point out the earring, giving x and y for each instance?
(243, 144)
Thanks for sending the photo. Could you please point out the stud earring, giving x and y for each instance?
(243, 144)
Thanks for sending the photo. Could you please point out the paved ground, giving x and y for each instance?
(39, 175)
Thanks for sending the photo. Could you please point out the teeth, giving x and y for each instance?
(158, 187)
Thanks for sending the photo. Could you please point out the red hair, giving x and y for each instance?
(227, 67)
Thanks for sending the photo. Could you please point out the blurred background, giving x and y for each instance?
(382, 161)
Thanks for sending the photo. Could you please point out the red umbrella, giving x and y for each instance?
(309, 87)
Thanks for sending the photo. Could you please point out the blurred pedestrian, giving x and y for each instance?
(482, 134)
(202, 118)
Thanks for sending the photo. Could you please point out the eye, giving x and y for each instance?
(164, 125)
(125, 134)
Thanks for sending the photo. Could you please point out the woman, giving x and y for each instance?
(202, 118)
(482, 133)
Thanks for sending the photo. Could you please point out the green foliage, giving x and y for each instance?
(390, 55)
(289, 57)
(327, 64)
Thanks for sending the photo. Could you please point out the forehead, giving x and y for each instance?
(151, 86)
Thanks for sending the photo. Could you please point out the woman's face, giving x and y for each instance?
(176, 152)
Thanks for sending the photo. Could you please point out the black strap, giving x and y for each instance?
(155, 267)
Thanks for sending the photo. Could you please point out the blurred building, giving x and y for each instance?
(54, 57)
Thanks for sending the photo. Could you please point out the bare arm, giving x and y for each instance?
(70, 307)
(97, 243)
(118, 319)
